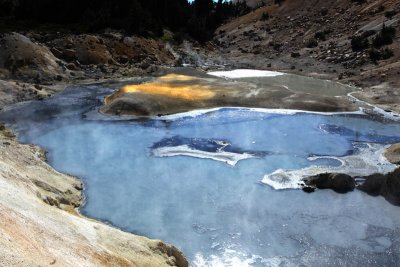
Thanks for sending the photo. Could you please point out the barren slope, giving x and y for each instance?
(279, 41)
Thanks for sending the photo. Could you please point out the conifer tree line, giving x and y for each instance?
(197, 19)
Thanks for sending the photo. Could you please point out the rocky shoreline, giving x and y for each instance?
(41, 223)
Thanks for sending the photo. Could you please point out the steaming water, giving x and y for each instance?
(196, 180)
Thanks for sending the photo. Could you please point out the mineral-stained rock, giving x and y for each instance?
(393, 154)
(175, 92)
(27, 60)
(341, 183)
(12, 92)
(91, 51)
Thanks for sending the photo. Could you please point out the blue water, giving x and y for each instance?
(219, 214)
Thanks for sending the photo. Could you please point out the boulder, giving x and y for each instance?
(90, 50)
(57, 53)
(387, 185)
(69, 54)
(372, 184)
(295, 54)
(390, 189)
(123, 59)
(339, 182)
(26, 60)
(72, 66)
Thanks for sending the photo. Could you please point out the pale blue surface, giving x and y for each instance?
(206, 207)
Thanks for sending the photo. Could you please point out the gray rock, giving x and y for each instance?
(69, 54)
(339, 182)
(393, 154)
(295, 54)
(123, 59)
(387, 185)
(57, 53)
(72, 66)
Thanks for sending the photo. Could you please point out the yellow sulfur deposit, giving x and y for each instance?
(176, 78)
(171, 85)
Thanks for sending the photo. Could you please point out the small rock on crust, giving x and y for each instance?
(387, 185)
(339, 182)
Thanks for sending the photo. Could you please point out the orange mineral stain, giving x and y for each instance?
(171, 85)
(176, 78)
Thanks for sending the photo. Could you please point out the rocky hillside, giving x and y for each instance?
(310, 37)
(35, 65)
(48, 57)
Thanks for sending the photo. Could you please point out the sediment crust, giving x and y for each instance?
(159, 97)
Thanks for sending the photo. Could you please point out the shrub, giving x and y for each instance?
(198, 18)
(359, 43)
(178, 37)
(359, 1)
(381, 54)
(324, 11)
(386, 53)
(261, 4)
(320, 36)
(312, 43)
(368, 33)
(384, 37)
(6, 7)
(265, 16)
(389, 14)
(295, 54)
(374, 54)
(276, 46)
